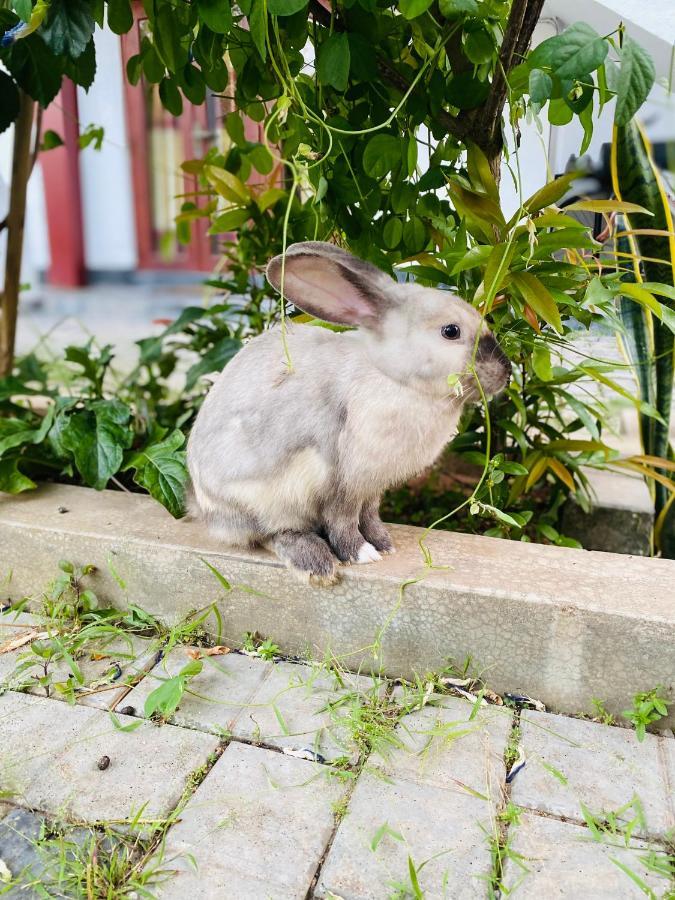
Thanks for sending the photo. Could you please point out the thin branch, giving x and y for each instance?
(36, 144)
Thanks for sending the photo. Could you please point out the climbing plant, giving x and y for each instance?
(384, 128)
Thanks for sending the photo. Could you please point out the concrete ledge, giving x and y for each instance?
(562, 625)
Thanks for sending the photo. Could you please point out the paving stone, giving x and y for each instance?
(13, 625)
(108, 666)
(19, 831)
(289, 710)
(600, 766)
(214, 698)
(562, 860)
(50, 760)
(430, 820)
(441, 746)
(256, 827)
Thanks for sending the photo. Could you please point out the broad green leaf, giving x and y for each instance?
(636, 78)
(474, 257)
(466, 91)
(382, 155)
(228, 185)
(234, 125)
(12, 481)
(120, 16)
(83, 69)
(578, 51)
(392, 232)
(559, 112)
(540, 86)
(17, 432)
(192, 84)
(269, 198)
(410, 9)
(414, 235)
(97, 438)
(541, 362)
(23, 9)
(167, 39)
(229, 221)
(285, 7)
(538, 297)
(475, 205)
(216, 14)
(68, 28)
(213, 361)
(34, 68)
(262, 159)
(453, 8)
(257, 23)
(170, 96)
(332, 65)
(165, 698)
(479, 46)
(480, 173)
(643, 297)
(161, 470)
(497, 268)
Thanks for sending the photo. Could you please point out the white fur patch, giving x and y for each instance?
(367, 554)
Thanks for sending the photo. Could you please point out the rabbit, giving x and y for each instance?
(296, 457)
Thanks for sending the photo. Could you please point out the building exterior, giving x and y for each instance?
(106, 215)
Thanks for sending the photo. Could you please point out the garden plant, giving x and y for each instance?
(385, 128)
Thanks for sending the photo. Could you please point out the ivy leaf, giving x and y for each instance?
(540, 86)
(120, 16)
(69, 28)
(161, 470)
(216, 14)
(9, 101)
(636, 78)
(332, 66)
(12, 481)
(97, 437)
(410, 9)
(35, 69)
(213, 361)
(285, 7)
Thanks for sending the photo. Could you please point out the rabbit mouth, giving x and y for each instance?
(493, 367)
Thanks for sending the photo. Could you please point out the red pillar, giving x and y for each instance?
(61, 172)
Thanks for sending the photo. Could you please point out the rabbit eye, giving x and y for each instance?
(451, 332)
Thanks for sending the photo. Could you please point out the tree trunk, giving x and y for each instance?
(21, 167)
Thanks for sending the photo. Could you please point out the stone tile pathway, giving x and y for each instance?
(275, 779)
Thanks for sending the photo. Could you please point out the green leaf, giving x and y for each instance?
(577, 51)
(97, 437)
(476, 256)
(257, 22)
(410, 9)
(83, 69)
(161, 470)
(332, 66)
(285, 7)
(538, 297)
(559, 112)
(540, 86)
(479, 46)
(220, 578)
(17, 432)
(23, 9)
(167, 40)
(453, 8)
(12, 481)
(9, 101)
(165, 698)
(229, 221)
(50, 140)
(170, 96)
(234, 125)
(382, 155)
(193, 85)
(216, 14)
(414, 235)
(636, 78)
(262, 159)
(392, 233)
(69, 27)
(466, 91)
(541, 362)
(35, 69)
(213, 361)
(120, 16)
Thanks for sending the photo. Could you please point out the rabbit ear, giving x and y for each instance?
(331, 284)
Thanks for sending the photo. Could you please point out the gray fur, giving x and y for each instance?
(298, 459)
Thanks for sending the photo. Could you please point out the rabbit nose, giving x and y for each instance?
(490, 351)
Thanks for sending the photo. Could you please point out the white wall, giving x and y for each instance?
(107, 197)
